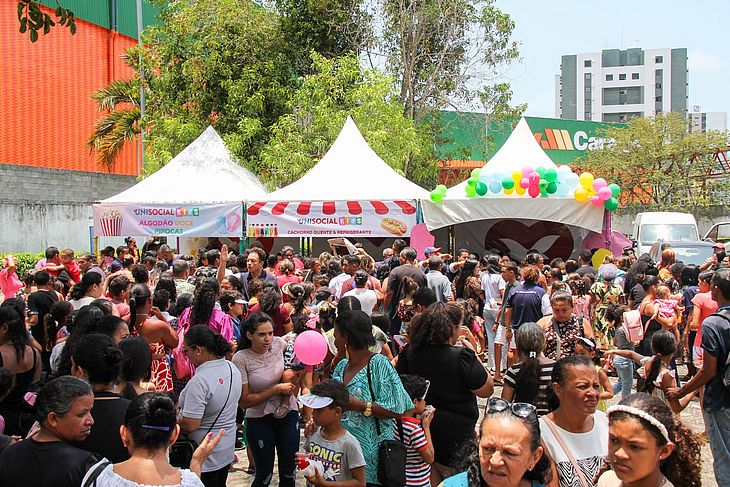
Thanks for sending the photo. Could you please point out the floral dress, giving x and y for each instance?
(569, 331)
(603, 294)
(160, 372)
(389, 394)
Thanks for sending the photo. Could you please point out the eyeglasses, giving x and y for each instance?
(520, 409)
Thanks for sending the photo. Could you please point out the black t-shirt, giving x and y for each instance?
(108, 412)
(586, 269)
(39, 303)
(716, 342)
(637, 295)
(44, 464)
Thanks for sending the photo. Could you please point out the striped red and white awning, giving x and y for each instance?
(332, 207)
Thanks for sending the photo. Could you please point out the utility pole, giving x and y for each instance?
(141, 83)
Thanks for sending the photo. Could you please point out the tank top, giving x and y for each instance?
(22, 381)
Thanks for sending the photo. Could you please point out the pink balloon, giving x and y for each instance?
(534, 191)
(534, 177)
(526, 171)
(524, 183)
(310, 347)
(596, 200)
(605, 193)
(599, 183)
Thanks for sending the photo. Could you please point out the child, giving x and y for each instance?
(416, 434)
(667, 307)
(67, 264)
(406, 309)
(587, 348)
(331, 444)
(233, 304)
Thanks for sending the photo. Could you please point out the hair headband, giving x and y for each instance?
(643, 415)
(157, 428)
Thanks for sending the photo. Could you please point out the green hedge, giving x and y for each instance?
(24, 261)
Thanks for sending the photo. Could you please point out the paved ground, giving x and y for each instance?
(692, 417)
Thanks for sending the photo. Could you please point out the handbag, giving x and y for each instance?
(181, 452)
(633, 328)
(391, 453)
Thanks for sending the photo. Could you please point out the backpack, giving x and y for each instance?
(633, 328)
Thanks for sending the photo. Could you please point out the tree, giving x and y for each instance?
(335, 89)
(659, 165)
(33, 20)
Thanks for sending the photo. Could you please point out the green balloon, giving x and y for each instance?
(611, 204)
(541, 172)
(472, 181)
(551, 175)
(543, 191)
(436, 196)
(552, 188)
(615, 189)
(471, 191)
(441, 188)
(543, 184)
(475, 172)
(481, 188)
(508, 182)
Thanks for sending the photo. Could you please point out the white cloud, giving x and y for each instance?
(703, 61)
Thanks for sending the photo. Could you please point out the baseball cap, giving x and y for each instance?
(719, 245)
(314, 401)
(430, 250)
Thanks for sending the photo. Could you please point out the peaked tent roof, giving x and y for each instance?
(374, 179)
(203, 172)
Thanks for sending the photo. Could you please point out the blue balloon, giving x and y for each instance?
(572, 180)
(495, 187)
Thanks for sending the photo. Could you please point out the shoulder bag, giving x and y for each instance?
(391, 453)
(568, 452)
(181, 452)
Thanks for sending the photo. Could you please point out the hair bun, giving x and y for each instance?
(161, 410)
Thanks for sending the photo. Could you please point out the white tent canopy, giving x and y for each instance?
(204, 172)
(519, 150)
(350, 171)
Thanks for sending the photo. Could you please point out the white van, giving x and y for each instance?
(663, 225)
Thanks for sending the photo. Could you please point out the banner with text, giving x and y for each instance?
(210, 220)
(331, 219)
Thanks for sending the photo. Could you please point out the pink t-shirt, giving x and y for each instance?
(9, 283)
(707, 306)
(219, 322)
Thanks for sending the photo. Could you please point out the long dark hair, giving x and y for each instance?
(16, 332)
(250, 325)
(87, 281)
(54, 321)
(662, 343)
(202, 336)
(270, 299)
(137, 363)
(466, 272)
(530, 343)
(435, 326)
(99, 357)
(204, 302)
(138, 298)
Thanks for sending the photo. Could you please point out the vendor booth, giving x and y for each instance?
(199, 193)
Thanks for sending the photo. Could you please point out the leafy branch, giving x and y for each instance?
(33, 20)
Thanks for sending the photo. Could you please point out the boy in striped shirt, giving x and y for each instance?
(415, 433)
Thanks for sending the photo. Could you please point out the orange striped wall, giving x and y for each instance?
(46, 110)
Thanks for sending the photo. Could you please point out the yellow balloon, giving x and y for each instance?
(517, 176)
(580, 195)
(586, 180)
(509, 191)
(520, 190)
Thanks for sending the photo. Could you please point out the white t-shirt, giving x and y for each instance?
(109, 478)
(492, 284)
(367, 297)
(337, 282)
(589, 449)
(80, 303)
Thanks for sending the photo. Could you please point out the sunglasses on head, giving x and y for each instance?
(519, 409)
(428, 385)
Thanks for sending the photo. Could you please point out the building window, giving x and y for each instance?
(586, 64)
(659, 59)
(622, 77)
(634, 75)
(658, 98)
(609, 77)
(588, 116)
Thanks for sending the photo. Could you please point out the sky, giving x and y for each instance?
(547, 30)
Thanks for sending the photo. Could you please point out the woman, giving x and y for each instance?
(89, 289)
(286, 273)
(136, 368)
(208, 402)
(149, 323)
(63, 408)
(575, 423)
(603, 293)
(690, 288)
(649, 446)
(377, 395)
(19, 357)
(529, 380)
(513, 431)
(97, 359)
(563, 328)
(260, 360)
(270, 302)
(665, 264)
(204, 312)
(148, 431)
(467, 284)
(652, 323)
(493, 285)
(54, 323)
(457, 377)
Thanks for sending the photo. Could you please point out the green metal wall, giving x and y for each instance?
(98, 12)
(679, 81)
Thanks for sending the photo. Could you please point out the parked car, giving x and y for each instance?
(720, 232)
(689, 252)
(668, 226)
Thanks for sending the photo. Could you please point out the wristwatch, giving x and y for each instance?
(368, 409)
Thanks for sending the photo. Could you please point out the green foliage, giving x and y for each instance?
(335, 89)
(24, 261)
(660, 166)
(33, 20)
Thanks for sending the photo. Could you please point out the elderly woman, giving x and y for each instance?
(509, 452)
(63, 409)
(562, 328)
(604, 292)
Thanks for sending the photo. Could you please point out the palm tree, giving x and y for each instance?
(121, 123)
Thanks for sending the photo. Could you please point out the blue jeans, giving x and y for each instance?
(718, 432)
(264, 435)
(489, 318)
(625, 370)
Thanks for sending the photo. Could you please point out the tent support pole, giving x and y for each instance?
(452, 240)
(607, 232)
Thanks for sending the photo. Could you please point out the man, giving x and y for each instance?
(716, 404)
(584, 259)
(39, 305)
(350, 265)
(509, 275)
(407, 267)
(118, 263)
(213, 259)
(165, 253)
(255, 262)
(372, 283)
(432, 252)
(180, 274)
(10, 284)
(87, 263)
(718, 255)
(437, 282)
(462, 255)
(52, 258)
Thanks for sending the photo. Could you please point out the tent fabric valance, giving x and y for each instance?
(306, 208)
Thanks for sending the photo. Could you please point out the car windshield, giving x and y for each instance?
(660, 231)
(693, 255)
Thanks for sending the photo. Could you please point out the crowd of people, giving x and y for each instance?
(145, 367)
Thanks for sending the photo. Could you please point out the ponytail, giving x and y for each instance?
(202, 336)
(656, 366)
(138, 297)
(81, 288)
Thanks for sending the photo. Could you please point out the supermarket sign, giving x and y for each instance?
(566, 140)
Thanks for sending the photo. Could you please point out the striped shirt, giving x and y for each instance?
(540, 402)
(418, 472)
